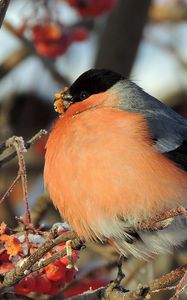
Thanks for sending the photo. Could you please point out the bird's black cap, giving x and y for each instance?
(93, 81)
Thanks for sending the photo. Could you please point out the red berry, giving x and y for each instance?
(70, 274)
(5, 267)
(80, 34)
(43, 285)
(55, 271)
(56, 286)
(92, 8)
(4, 257)
(26, 285)
(51, 39)
(46, 32)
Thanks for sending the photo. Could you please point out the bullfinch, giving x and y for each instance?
(116, 158)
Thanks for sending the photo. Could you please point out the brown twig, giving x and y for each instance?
(168, 279)
(28, 144)
(163, 219)
(20, 147)
(28, 264)
(47, 63)
(18, 143)
(179, 287)
(45, 262)
(9, 63)
(108, 293)
(7, 193)
(3, 8)
(140, 293)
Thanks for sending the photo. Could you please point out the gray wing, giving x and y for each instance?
(169, 130)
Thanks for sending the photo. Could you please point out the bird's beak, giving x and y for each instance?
(62, 101)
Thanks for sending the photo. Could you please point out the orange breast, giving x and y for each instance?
(101, 164)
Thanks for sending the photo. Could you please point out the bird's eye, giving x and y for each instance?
(84, 95)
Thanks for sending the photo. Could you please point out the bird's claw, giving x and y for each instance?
(120, 275)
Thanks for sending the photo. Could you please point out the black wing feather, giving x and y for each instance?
(179, 155)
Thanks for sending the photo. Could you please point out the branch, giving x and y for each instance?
(47, 63)
(33, 263)
(13, 296)
(3, 8)
(18, 143)
(28, 144)
(119, 42)
(13, 60)
(168, 279)
(140, 293)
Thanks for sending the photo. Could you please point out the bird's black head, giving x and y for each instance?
(92, 82)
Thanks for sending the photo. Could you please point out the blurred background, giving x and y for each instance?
(44, 46)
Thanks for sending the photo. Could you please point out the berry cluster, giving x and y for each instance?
(48, 280)
(51, 37)
(91, 8)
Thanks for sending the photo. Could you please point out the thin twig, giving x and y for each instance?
(16, 57)
(18, 143)
(28, 144)
(7, 193)
(179, 287)
(3, 8)
(158, 222)
(47, 63)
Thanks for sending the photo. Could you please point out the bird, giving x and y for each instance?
(116, 159)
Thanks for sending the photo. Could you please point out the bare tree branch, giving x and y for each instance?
(140, 293)
(47, 63)
(120, 40)
(3, 8)
(28, 144)
(31, 263)
(17, 56)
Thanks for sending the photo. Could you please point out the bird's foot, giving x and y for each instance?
(120, 274)
(116, 284)
(71, 263)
